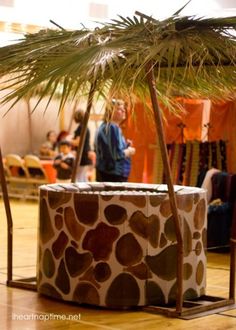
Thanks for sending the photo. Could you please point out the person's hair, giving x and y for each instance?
(65, 143)
(78, 116)
(110, 108)
(49, 133)
(62, 135)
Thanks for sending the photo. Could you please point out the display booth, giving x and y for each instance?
(114, 244)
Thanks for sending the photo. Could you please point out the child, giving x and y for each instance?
(64, 162)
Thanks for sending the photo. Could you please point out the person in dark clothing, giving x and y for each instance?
(87, 154)
(113, 152)
(64, 162)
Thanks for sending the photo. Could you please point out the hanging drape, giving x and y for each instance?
(146, 163)
(223, 127)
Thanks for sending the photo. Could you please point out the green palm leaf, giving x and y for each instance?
(191, 56)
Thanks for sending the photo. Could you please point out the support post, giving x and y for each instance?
(172, 197)
(9, 220)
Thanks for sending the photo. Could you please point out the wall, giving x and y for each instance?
(23, 132)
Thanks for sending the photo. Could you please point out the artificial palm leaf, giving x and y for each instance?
(190, 56)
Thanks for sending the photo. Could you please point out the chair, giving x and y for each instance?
(17, 175)
(37, 174)
(15, 168)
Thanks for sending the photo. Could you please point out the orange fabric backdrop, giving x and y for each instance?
(140, 128)
(191, 118)
(223, 127)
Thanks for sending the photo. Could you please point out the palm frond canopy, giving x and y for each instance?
(191, 57)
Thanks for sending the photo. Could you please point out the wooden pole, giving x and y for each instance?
(83, 131)
(172, 197)
(30, 125)
(9, 220)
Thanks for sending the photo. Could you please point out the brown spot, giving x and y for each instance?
(187, 237)
(62, 280)
(153, 230)
(165, 209)
(139, 201)
(187, 271)
(187, 295)
(200, 214)
(59, 245)
(99, 241)
(76, 262)
(106, 198)
(102, 271)
(48, 264)
(45, 226)
(140, 271)
(86, 208)
(146, 227)
(86, 293)
(154, 294)
(155, 200)
(190, 294)
(123, 292)
(164, 263)
(58, 198)
(199, 272)
(139, 224)
(74, 227)
(163, 240)
(88, 276)
(204, 238)
(185, 202)
(198, 248)
(196, 235)
(128, 251)
(169, 229)
(49, 290)
(58, 221)
(115, 214)
(202, 291)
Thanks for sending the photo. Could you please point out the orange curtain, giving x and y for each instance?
(140, 128)
(223, 127)
(190, 118)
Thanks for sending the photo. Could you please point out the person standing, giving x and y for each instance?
(113, 151)
(87, 154)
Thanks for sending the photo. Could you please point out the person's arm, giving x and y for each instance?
(75, 141)
(130, 151)
(119, 149)
(57, 162)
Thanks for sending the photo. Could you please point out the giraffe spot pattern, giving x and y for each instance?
(114, 245)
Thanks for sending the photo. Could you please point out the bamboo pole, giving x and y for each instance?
(9, 220)
(172, 197)
(83, 131)
(27, 100)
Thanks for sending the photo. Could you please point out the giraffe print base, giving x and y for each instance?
(114, 244)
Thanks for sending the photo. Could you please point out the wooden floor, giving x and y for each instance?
(25, 309)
